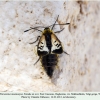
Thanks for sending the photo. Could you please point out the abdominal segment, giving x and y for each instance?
(49, 62)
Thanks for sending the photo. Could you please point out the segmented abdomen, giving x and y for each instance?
(49, 62)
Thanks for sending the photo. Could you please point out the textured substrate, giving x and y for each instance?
(78, 71)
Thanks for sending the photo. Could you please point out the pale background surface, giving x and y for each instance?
(81, 39)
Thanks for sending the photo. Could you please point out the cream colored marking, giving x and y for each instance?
(54, 42)
(42, 39)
